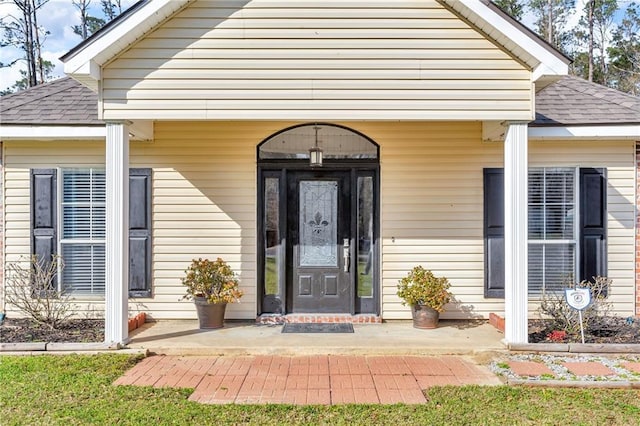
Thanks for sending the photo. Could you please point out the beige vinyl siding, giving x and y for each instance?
(204, 204)
(432, 208)
(618, 158)
(20, 158)
(316, 61)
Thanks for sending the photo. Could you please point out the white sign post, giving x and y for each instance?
(579, 299)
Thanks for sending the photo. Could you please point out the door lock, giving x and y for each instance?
(346, 250)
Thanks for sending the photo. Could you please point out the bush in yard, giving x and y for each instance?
(31, 288)
(554, 306)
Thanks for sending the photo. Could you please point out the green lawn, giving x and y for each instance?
(76, 389)
(365, 282)
(271, 276)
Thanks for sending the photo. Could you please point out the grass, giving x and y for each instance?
(365, 282)
(76, 389)
(271, 276)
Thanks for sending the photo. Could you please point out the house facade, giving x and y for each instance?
(450, 137)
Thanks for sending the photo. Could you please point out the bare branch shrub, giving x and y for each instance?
(565, 318)
(31, 288)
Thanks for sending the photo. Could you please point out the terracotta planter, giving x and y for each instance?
(424, 316)
(210, 315)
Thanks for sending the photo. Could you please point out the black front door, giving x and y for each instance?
(319, 238)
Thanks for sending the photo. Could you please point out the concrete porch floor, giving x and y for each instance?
(247, 338)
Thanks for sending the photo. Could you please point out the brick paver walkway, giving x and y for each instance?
(588, 369)
(529, 368)
(322, 379)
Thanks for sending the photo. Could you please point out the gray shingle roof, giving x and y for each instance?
(574, 101)
(570, 101)
(59, 102)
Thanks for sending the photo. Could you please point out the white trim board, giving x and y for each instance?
(624, 132)
(84, 64)
(494, 131)
(52, 132)
(138, 131)
(541, 58)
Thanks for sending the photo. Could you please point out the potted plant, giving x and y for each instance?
(426, 294)
(211, 285)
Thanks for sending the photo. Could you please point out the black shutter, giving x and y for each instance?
(493, 233)
(139, 232)
(593, 223)
(43, 215)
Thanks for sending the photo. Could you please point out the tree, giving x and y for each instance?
(513, 7)
(592, 38)
(111, 8)
(88, 24)
(23, 83)
(624, 52)
(551, 19)
(23, 33)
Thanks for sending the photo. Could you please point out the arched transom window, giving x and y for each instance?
(336, 142)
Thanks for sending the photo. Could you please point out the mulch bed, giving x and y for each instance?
(609, 330)
(22, 330)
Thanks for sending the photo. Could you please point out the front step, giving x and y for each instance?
(271, 319)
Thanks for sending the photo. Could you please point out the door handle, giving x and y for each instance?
(346, 251)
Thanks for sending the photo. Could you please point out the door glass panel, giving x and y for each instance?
(272, 255)
(365, 236)
(318, 223)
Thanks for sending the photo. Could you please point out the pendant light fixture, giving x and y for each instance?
(315, 153)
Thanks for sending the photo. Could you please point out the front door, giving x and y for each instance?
(319, 218)
(318, 225)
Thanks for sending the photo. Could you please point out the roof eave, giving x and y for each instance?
(85, 61)
(139, 130)
(586, 132)
(547, 64)
(52, 132)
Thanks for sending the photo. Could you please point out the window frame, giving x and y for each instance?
(70, 241)
(576, 228)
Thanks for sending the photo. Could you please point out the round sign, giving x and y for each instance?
(578, 298)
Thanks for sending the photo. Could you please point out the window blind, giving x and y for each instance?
(552, 233)
(83, 230)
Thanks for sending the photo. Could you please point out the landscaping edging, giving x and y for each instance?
(574, 384)
(57, 346)
(608, 348)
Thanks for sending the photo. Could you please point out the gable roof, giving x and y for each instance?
(84, 62)
(545, 60)
(574, 101)
(59, 102)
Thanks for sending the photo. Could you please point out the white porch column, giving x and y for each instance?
(117, 238)
(515, 233)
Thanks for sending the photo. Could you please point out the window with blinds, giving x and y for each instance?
(82, 242)
(552, 228)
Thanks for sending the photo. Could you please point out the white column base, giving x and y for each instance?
(116, 330)
(516, 233)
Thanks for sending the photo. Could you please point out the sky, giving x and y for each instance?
(59, 15)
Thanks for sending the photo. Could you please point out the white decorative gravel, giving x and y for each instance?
(554, 363)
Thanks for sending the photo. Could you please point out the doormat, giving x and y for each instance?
(301, 327)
